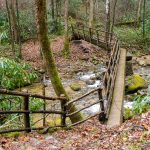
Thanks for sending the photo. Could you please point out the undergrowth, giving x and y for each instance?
(141, 103)
(14, 75)
(132, 37)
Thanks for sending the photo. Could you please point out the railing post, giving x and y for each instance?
(90, 31)
(102, 115)
(97, 37)
(63, 116)
(44, 106)
(26, 114)
(84, 33)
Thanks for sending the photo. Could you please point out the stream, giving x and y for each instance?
(145, 73)
(88, 81)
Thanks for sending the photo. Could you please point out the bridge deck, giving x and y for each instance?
(116, 111)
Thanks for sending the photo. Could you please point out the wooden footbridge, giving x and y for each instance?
(110, 94)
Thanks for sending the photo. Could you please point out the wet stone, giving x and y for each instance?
(90, 82)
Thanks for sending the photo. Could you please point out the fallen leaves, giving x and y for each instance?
(92, 135)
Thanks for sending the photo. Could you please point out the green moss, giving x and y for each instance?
(135, 83)
(75, 86)
(128, 113)
(57, 122)
(13, 135)
(66, 49)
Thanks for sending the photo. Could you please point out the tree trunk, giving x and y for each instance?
(14, 21)
(86, 9)
(113, 17)
(19, 36)
(10, 28)
(48, 56)
(54, 16)
(139, 12)
(53, 10)
(107, 21)
(91, 17)
(144, 6)
(66, 50)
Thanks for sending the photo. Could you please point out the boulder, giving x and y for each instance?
(129, 56)
(90, 82)
(135, 82)
(142, 63)
(129, 70)
(75, 86)
(99, 75)
(76, 42)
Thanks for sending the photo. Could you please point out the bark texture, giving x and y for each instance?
(66, 50)
(139, 10)
(48, 56)
(91, 17)
(14, 21)
(107, 21)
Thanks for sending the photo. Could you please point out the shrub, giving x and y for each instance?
(13, 74)
(141, 103)
(133, 37)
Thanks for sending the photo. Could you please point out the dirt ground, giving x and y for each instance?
(83, 55)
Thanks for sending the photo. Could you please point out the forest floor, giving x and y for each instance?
(84, 56)
(133, 134)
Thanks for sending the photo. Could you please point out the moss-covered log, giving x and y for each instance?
(48, 56)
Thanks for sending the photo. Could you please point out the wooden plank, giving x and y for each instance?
(116, 111)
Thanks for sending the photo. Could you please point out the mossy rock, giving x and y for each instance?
(13, 134)
(128, 113)
(75, 87)
(135, 83)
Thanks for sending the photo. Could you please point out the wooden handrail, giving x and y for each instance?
(75, 112)
(92, 29)
(77, 99)
(31, 112)
(8, 92)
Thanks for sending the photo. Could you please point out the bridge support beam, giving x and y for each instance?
(116, 112)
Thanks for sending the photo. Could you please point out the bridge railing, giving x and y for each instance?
(99, 100)
(98, 37)
(94, 36)
(110, 76)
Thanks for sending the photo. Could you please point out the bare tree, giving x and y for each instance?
(107, 28)
(138, 18)
(10, 27)
(144, 7)
(66, 50)
(91, 17)
(14, 21)
(14, 25)
(113, 15)
(18, 27)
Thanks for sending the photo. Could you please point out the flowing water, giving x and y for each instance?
(88, 81)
